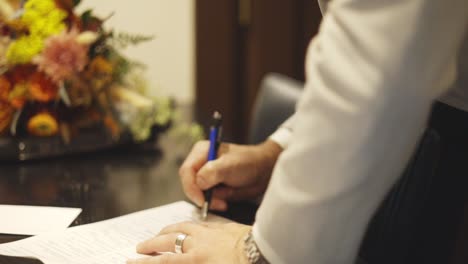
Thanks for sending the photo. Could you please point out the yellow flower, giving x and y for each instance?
(40, 6)
(48, 25)
(24, 49)
(43, 125)
(43, 18)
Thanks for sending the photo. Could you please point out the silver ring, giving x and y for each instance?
(179, 242)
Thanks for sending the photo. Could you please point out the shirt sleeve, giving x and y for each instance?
(373, 72)
(282, 136)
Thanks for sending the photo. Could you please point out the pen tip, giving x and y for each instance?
(204, 210)
(217, 115)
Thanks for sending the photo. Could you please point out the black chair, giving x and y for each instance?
(392, 230)
(275, 102)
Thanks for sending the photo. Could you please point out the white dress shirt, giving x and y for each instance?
(373, 72)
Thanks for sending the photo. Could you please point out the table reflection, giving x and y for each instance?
(14, 260)
(104, 184)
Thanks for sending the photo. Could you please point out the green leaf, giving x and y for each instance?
(86, 15)
(76, 2)
(90, 22)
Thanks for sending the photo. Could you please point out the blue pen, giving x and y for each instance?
(215, 141)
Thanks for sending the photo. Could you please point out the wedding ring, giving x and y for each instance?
(179, 242)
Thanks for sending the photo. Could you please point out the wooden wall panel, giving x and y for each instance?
(217, 62)
(233, 57)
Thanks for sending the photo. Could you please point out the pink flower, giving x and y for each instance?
(62, 56)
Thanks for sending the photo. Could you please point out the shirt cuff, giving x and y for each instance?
(267, 252)
(281, 136)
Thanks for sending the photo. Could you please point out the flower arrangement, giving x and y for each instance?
(62, 72)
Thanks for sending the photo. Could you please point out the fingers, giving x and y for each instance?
(164, 259)
(198, 155)
(231, 168)
(187, 172)
(223, 193)
(164, 243)
(189, 228)
(193, 192)
(218, 204)
(165, 240)
(212, 173)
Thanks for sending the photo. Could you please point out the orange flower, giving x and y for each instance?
(41, 88)
(5, 87)
(6, 114)
(17, 26)
(79, 91)
(43, 125)
(18, 103)
(112, 126)
(99, 72)
(17, 96)
(100, 65)
(20, 73)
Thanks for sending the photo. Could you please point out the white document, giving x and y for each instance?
(107, 242)
(35, 220)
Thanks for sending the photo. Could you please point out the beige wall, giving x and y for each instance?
(170, 56)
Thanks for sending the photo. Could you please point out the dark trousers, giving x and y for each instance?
(421, 218)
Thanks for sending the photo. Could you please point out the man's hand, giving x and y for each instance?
(240, 172)
(206, 243)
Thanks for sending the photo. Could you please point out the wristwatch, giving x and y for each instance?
(253, 254)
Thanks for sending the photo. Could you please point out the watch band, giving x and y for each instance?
(253, 254)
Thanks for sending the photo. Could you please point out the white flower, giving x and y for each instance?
(4, 43)
(87, 37)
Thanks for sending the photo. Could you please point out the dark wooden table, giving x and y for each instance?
(104, 184)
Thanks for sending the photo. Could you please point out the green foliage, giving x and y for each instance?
(193, 131)
(86, 16)
(140, 120)
(122, 40)
(121, 64)
(90, 22)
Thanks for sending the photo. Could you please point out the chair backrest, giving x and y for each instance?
(275, 102)
(392, 232)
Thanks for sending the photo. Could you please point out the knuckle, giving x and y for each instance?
(202, 177)
(202, 144)
(184, 170)
(217, 174)
(164, 230)
(176, 227)
(211, 171)
(169, 228)
(224, 147)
